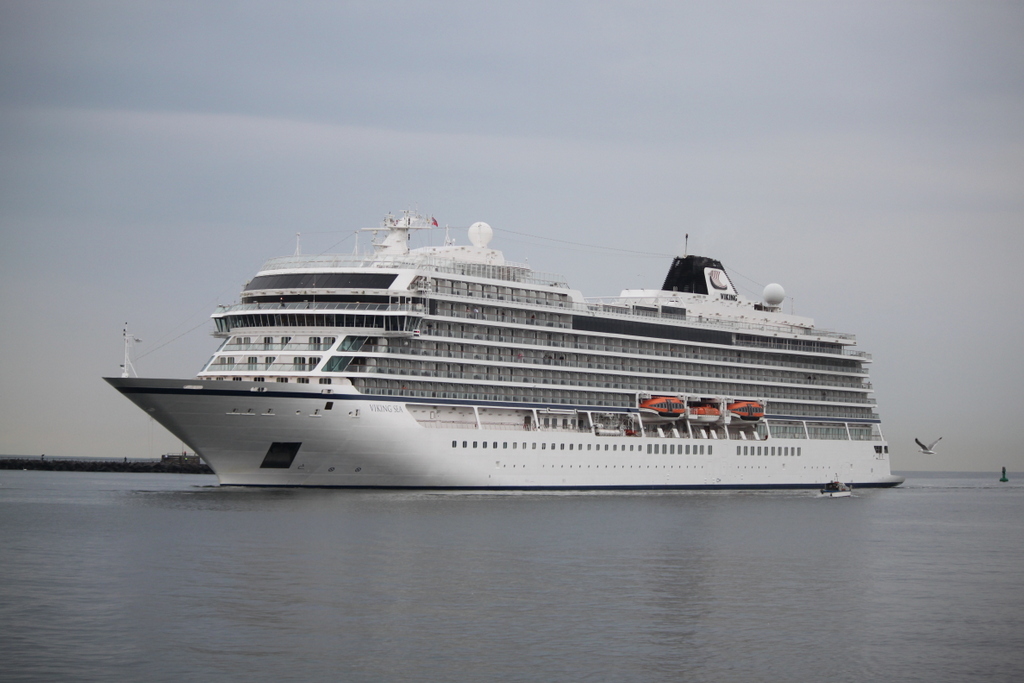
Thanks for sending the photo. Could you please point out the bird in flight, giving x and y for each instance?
(928, 450)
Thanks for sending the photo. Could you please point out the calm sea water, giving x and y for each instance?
(170, 578)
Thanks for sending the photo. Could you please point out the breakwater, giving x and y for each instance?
(90, 465)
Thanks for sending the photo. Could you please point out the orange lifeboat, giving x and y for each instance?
(704, 413)
(747, 410)
(666, 406)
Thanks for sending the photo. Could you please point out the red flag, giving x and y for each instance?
(434, 221)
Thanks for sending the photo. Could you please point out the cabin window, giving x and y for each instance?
(455, 444)
(710, 449)
(465, 444)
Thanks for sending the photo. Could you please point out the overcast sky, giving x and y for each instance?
(869, 156)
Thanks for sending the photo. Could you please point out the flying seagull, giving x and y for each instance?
(927, 450)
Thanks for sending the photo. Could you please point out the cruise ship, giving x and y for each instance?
(449, 367)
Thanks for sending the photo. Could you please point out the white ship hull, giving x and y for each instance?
(450, 367)
(344, 439)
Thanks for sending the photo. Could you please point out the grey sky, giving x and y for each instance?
(869, 156)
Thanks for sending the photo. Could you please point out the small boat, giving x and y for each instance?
(665, 406)
(704, 413)
(836, 489)
(747, 410)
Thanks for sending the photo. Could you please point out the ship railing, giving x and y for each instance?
(508, 271)
(561, 307)
(790, 431)
(447, 424)
(475, 314)
(510, 338)
(487, 298)
(261, 367)
(260, 347)
(632, 313)
(852, 380)
(583, 385)
(627, 308)
(315, 306)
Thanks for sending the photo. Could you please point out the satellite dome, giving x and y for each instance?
(480, 234)
(774, 294)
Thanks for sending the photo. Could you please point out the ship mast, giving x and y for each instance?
(127, 369)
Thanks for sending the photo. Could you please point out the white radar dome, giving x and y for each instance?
(774, 294)
(480, 234)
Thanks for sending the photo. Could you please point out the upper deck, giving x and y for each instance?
(697, 293)
(433, 262)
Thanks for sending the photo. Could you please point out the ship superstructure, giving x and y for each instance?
(451, 367)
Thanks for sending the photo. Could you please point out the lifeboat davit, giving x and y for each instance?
(747, 410)
(665, 406)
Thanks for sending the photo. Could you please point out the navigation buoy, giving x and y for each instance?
(1003, 478)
